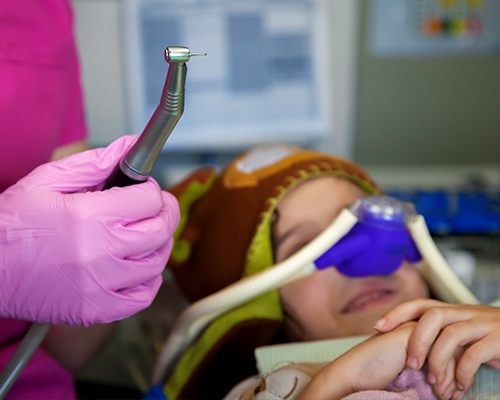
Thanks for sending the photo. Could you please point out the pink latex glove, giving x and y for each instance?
(71, 255)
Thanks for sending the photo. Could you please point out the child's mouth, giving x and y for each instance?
(368, 300)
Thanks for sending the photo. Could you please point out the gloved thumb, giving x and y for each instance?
(82, 171)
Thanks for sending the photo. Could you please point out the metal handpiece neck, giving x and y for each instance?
(139, 161)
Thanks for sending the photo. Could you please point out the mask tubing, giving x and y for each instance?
(433, 258)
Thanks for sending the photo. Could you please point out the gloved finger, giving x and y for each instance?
(145, 291)
(130, 273)
(129, 301)
(142, 295)
(137, 240)
(171, 210)
(81, 171)
(140, 239)
(121, 205)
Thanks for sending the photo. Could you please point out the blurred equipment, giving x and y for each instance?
(430, 27)
(457, 212)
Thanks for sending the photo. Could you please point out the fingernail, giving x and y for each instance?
(432, 379)
(412, 363)
(380, 323)
(460, 387)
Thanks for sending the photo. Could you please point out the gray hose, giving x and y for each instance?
(30, 343)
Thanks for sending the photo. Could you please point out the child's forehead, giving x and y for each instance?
(311, 206)
(321, 189)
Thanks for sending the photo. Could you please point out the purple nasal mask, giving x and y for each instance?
(378, 243)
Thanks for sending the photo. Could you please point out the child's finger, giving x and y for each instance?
(457, 395)
(480, 352)
(494, 363)
(449, 391)
(405, 312)
(446, 386)
(452, 338)
(427, 330)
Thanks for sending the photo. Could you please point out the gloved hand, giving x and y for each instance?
(72, 255)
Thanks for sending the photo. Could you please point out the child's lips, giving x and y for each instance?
(369, 296)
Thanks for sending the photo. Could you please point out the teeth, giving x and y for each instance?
(366, 299)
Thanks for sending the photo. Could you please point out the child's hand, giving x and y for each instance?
(445, 332)
(372, 364)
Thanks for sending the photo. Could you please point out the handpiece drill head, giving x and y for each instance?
(176, 54)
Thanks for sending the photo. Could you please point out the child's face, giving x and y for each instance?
(326, 303)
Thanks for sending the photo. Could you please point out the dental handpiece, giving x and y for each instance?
(137, 165)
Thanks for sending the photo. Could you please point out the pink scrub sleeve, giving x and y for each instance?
(74, 128)
(40, 93)
(41, 108)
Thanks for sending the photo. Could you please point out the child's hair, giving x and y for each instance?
(225, 235)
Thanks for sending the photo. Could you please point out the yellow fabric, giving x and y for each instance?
(264, 307)
(195, 190)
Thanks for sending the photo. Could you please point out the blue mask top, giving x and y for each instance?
(378, 243)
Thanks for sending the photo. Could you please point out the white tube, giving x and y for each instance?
(196, 317)
(436, 271)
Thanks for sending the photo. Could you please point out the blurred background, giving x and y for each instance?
(410, 89)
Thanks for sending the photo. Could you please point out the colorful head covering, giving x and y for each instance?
(225, 235)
